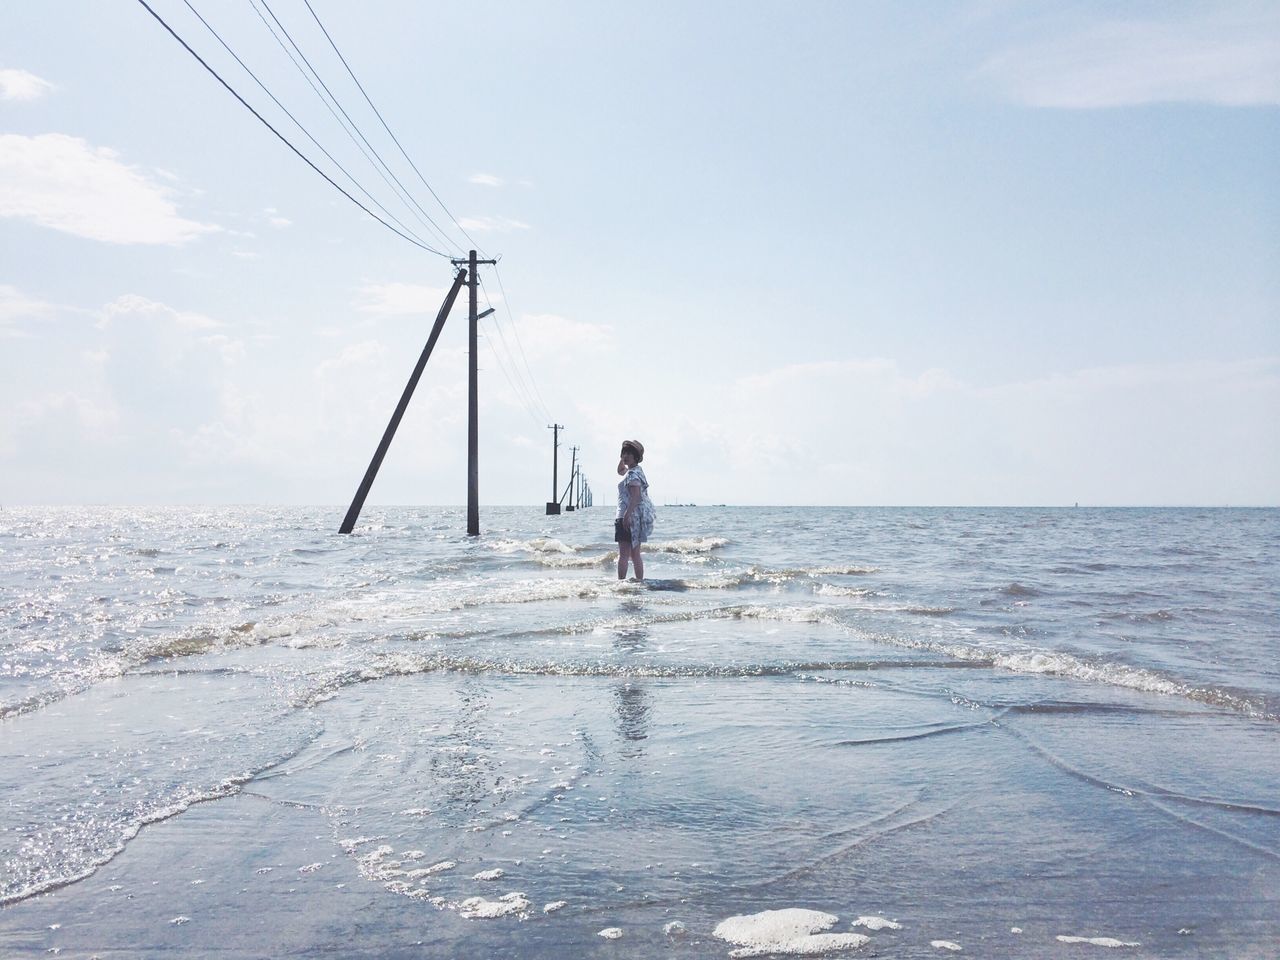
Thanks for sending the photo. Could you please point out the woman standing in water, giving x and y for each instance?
(635, 510)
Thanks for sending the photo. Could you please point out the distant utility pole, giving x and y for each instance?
(573, 480)
(473, 429)
(553, 505)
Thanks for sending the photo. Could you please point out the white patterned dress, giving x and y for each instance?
(642, 519)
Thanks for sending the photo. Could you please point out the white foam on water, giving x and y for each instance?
(611, 933)
(689, 545)
(555, 905)
(478, 908)
(309, 868)
(944, 944)
(495, 874)
(533, 545)
(575, 561)
(835, 590)
(1099, 941)
(790, 931)
(845, 571)
(349, 844)
(674, 929)
(876, 923)
(179, 921)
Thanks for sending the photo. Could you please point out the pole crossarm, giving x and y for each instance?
(357, 503)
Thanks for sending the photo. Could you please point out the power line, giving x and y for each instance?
(517, 384)
(405, 195)
(378, 113)
(356, 183)
(344, 125)
(330, 102)
(507, 304)
(506, 376)
(283, 139)
(528, 393)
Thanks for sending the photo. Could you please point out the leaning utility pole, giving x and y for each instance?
(553, 505)
(473, 380)
(357, 502)
(573, 480)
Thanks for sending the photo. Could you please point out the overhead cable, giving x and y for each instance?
(297, 123)
(283, 139)
(507, 304)
(404, 191)
(378, 113)
(528, 393)
(511, 374)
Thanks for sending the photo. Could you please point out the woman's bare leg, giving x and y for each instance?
(624, 551)
(637, 562)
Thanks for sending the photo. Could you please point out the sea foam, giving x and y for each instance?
(790, 931)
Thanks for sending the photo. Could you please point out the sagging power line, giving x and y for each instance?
(283, 139)
(349, 125)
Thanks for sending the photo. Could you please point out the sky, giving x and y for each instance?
(865, 253)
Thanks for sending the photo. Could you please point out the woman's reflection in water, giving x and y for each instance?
(631, 706)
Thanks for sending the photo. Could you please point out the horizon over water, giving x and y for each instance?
(890, 731)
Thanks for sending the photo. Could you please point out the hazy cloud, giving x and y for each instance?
(402, 299)
(492, 224)
(866, 431)
(551, 335)
(486, 180)
(133, 305)
(1227, 57)
(15, 307)
(21, 85)
(63, 183)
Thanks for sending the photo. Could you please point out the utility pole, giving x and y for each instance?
(573, 479)
(553, 505)
(473, 394)
(357, 502)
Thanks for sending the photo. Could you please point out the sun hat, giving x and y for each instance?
(636, 446)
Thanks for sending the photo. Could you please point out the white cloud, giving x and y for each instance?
(486, 180)
(492, 224)
(545, 335)
(133, 305)
(21, 85)
(868, 432)
(63, 183)
(1225, 57)
(15, 307)
(356, 355)
(403, 299)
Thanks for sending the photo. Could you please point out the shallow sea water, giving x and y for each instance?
(1026, 733)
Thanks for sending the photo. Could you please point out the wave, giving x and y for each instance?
(533, 545)
(688, 545)
(835, 590)
(384, 665)
(1112, 674)
(1020, 590)
(99, 856)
